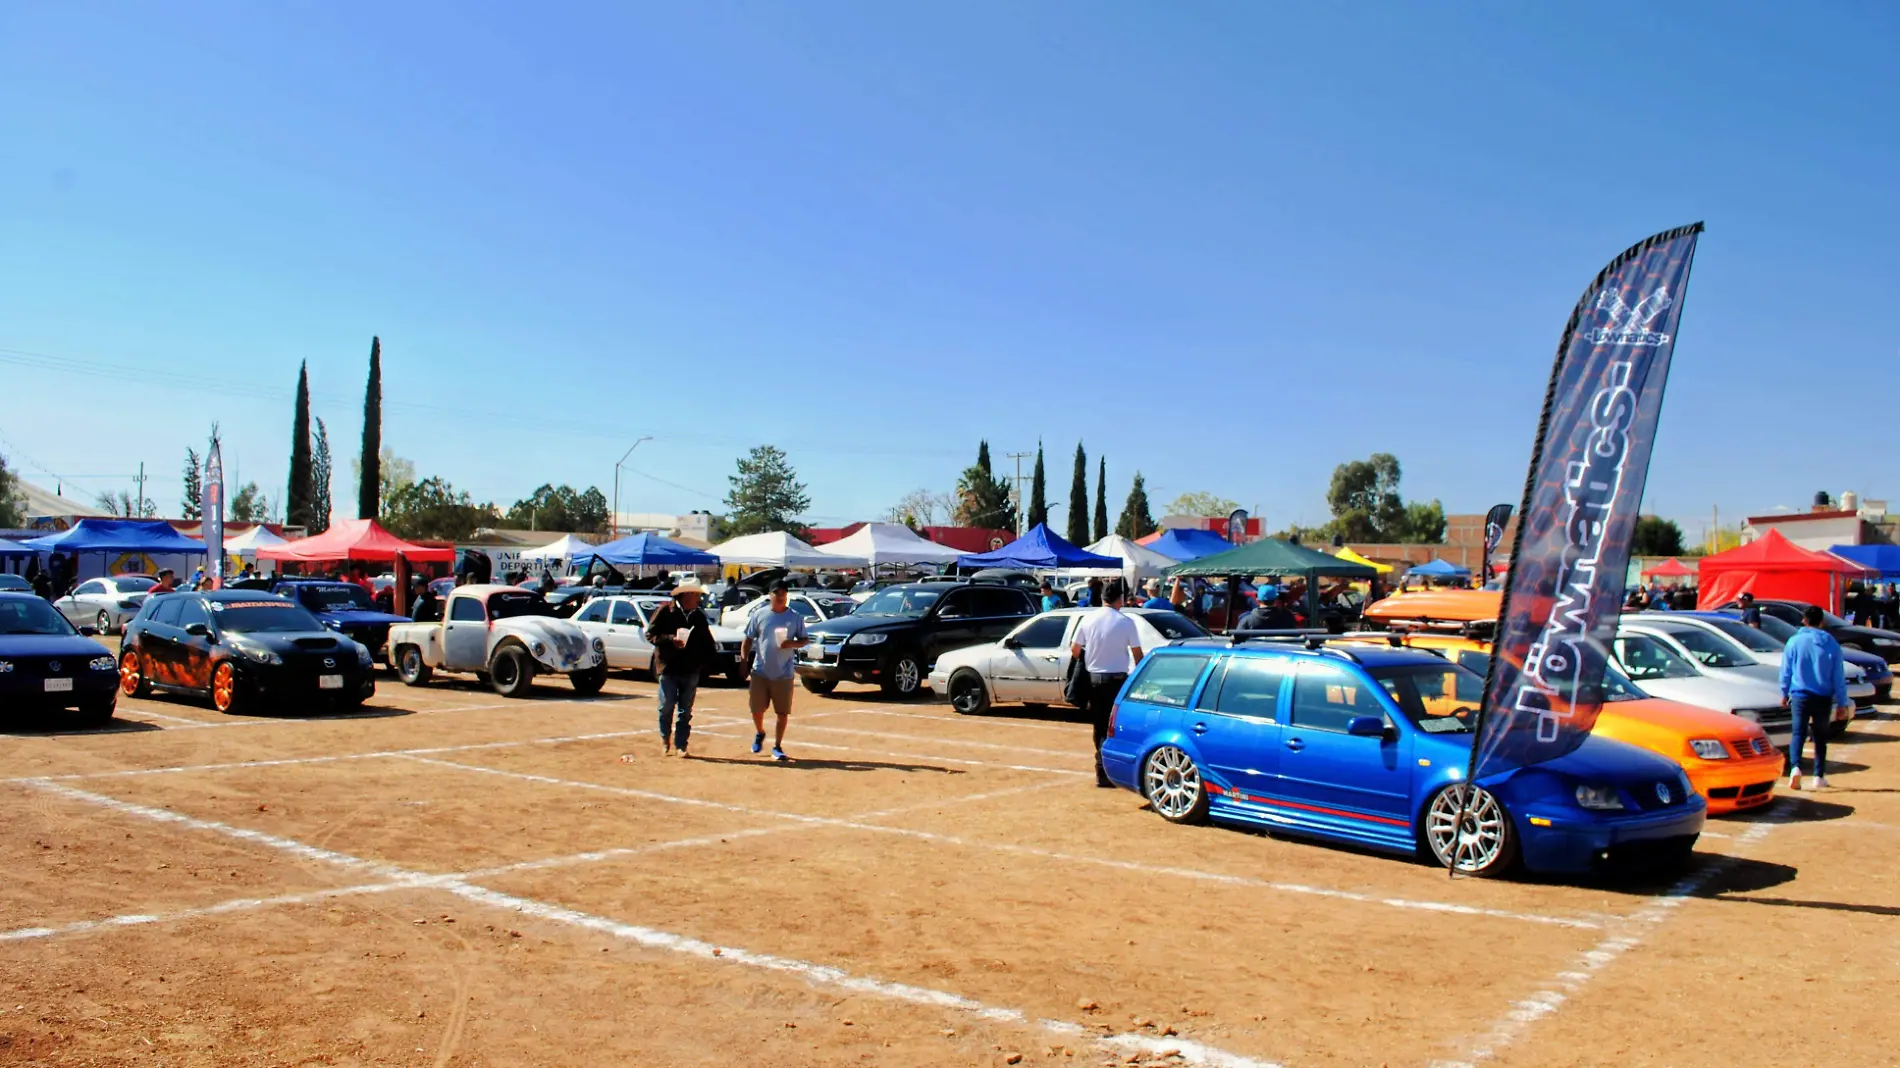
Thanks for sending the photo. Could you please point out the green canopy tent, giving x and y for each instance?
(1280, 559)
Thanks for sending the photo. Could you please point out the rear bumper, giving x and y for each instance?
(1576, 845)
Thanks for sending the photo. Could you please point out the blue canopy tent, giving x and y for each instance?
(1186, 543)
(1440, 568)
(1039, 550)
(646, 550)
(121, 545)
(1882, 558)
(14, 548)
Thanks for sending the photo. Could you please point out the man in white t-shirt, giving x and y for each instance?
(1108, 646)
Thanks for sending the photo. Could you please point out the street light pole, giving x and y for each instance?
(614, 522)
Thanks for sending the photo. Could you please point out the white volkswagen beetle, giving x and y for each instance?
(1029, 664)
(503, 635)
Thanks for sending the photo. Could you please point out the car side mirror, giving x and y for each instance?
(1012, 643)
(198, 630)
(1366, 727)
(89, 631)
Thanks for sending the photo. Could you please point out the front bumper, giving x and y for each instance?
(1574, 842)
(1733, 785)
(839, 663)
(23, 692)
(292, 685)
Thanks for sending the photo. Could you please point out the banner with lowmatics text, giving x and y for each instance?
(211, 497)
(1494, 523)
(1588, 465)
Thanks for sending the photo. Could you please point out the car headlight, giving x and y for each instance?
(363, 657)
(104, 663)
(1887, 643)
(1599, 798)
(1708, 748)
(256, 652)
(5, 666)
(540, 649)
(1754, 715)
(869, 639)
(599, 646)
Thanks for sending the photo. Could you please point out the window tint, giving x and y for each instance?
(1477, 663)
(90, 589)
(961, 604)
(1250, 688)
(1173, 626)
(624, 615)
(467, 609)
(192, 610)
(165, 611)
(1326, 698)
(1645, 658)
(1044, 633)
(595, 612)
(1167, 680)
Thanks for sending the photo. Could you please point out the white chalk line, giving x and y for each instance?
(1628, 934)
(1073, 753)
(1078, 727)
(819, 975)
(804, 743)
(1031, 851)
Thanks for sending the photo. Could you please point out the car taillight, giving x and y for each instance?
(1114, 710)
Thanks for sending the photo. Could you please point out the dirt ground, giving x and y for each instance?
(452, 878)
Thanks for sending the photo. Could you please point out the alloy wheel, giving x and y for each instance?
(907, 675)
(1473, 844)
(224, 687)
(131, 673)
(1172, 783)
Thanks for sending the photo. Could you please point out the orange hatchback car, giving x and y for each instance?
(1729, 760)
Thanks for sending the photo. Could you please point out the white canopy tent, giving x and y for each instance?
(560, 551)
(244, 546)
(779, 549)
(1138, 561)
(878, 544)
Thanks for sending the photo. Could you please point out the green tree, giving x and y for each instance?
(12, 498)
(1136, 521)
(369, 474)
(248, 505)
(1038, 512)
(1656, 536)
(561, 508)
(982, 498)
(1202, 504)
(1424, 523)
(435, 510)
(1078, 532)
(320, 481)
(191, 502)
(393, 472)
(1364, 497)
(765, 495)
(300, 495)
(1101, 498)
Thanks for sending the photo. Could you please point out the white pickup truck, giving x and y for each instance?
(505, 636)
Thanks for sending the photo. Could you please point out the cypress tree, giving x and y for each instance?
(299, 495)
(1136, 521)
(1101, 498)
(369, 495)
(1079, 499)
(1038, 495)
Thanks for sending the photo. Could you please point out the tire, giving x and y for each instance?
(903, 676)
(1172, 784)
(511, 672)
(105, 622)
(133, 680)
(1491, 851)
(588, 682)
(227, 690)
(99, 710)
(968, 695)
(821, 687)
(410, 668)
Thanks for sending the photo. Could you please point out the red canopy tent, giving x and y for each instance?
(1670, 568)
(355, 539)
(1772, 567)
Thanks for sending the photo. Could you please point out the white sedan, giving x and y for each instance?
(1029, 664)
(1660, 669)
(106, 603)
(1758, 644)
(815, 605)
(621, 625)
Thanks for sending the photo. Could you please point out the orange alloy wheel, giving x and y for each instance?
(224, 687)
(130, 674)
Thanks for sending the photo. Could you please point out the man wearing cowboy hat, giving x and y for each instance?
(682, 645)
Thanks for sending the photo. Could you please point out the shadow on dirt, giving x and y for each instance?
(54, 725)
(824, 764)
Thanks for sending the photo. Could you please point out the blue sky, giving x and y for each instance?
(1230, 244)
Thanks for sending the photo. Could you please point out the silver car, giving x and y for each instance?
(106, 603)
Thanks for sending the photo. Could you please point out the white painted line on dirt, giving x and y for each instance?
(986, 720)
(951, 741)
(1626, 936)
(1031, 851)
(166, 718)
(242, 904)
(803, 743)
(819, 975)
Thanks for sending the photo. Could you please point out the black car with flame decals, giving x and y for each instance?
(240, 648)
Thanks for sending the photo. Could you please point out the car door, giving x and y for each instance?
(465, 635)
(158, 640)
(627, 645)
(639, 646)
(191, 653)
(954, 625)
(1000, 609)
(82, 605)
(1027, 665)
(592, 620)
(1236, 725)
(1358, 785)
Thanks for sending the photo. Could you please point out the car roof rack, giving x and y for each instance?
(1313, 641)
(1390, 637)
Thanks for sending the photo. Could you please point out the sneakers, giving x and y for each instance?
(758, 741)
(1794, 780)
(1820, 783)
(682, 752)
(779, 754)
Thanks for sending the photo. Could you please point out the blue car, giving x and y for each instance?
(46, 665)
(344, 607)
(1370, 745)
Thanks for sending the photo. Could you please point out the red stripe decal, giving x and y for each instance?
(1316, 808)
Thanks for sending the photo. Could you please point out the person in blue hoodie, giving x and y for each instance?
(1813, 686)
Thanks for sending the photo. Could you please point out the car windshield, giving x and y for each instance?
(1644, 658)
(30, 615)
(1708, 649)
(907, 601)
(833, 607)
(14, 582)
(1615, 686)
(1778, 629)
(522, 603)
(1173, 625)
(134, 583)
(1757, 641)
(336, 598)
(1438, 698)
(263, 617)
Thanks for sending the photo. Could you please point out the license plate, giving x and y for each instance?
(59, 685)
(329, 682)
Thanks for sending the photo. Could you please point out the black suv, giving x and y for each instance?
(895, 637)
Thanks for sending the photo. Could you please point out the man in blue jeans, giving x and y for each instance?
(682, 646)
(1813, 686)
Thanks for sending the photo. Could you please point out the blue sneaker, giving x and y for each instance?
(779, 754)
(758, 741)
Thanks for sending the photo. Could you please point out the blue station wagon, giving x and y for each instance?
(1370, 746)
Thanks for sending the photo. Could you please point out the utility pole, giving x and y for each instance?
(1019, 457)
(613, 522)
(1715, 529)
(140, 507)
